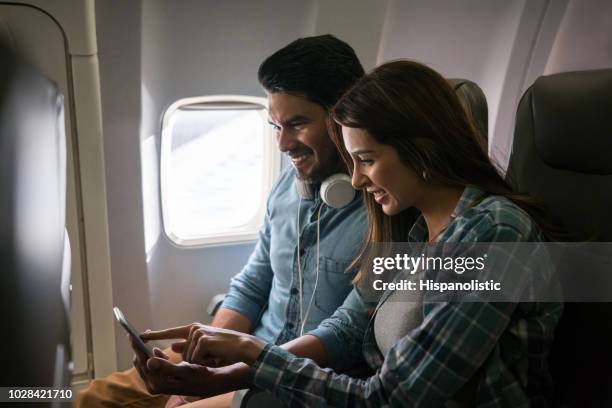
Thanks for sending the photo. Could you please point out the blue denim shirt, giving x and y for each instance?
(266, 291)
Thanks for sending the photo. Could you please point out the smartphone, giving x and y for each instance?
(146, 350)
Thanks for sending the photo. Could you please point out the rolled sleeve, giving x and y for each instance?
(250, 309)
(342, 333)
(250, 289)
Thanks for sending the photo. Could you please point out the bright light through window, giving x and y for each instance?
(218, 164)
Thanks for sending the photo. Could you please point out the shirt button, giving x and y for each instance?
(289, 325)
(294, 291)
(302, 251)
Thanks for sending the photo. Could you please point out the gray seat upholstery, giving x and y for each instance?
(474, 102)
(562, 157)
(34, 252)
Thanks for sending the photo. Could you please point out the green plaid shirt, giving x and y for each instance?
(473, 353)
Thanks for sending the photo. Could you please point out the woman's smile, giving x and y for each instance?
(380, 195)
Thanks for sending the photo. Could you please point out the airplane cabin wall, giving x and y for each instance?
(489, 42)
(119, 50)
(154, 52)
(584, 40)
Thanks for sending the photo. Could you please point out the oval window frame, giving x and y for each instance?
(247, 232)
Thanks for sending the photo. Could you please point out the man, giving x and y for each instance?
(303, 81)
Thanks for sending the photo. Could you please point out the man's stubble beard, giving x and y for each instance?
(321, 171)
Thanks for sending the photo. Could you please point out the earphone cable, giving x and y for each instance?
(299, 264)
(314, 290)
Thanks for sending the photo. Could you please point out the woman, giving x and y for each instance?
(410, 144)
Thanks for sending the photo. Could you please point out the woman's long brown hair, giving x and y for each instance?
(412, 108)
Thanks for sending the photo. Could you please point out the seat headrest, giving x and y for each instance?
(572, 120)
(474, 102)
(7, 39)
(562, 150)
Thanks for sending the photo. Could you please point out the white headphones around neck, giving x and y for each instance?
(336, 190)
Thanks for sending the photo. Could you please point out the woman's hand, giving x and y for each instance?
(210, 346)
(161, 376)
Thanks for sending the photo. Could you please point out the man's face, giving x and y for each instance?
(301, 132)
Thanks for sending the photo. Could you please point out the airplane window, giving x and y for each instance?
(218, 163)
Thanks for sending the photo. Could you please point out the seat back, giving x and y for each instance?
(562, 157)
(474, 102)
(34, 283)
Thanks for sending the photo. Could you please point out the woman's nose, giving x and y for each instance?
(358, 180)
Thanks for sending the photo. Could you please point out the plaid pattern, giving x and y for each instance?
(463, 354)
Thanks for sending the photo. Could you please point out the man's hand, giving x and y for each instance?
(210, 346)
(161, 376)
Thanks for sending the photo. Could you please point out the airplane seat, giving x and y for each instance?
(34, 251)
(562, 157)
(474, 102)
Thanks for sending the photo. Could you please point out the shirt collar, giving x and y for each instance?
(470, 195)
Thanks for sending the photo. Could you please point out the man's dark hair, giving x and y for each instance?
(321, 68)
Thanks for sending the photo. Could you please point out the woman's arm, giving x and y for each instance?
(424, 368)
(421, 368)
(434, 361)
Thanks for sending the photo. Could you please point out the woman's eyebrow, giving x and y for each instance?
(362, 151)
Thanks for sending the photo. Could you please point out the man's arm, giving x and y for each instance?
(341, 335)
(308, 346)
(337, 341)
(230, 319)
(249, 290)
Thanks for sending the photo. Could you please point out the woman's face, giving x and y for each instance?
(377, 169)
